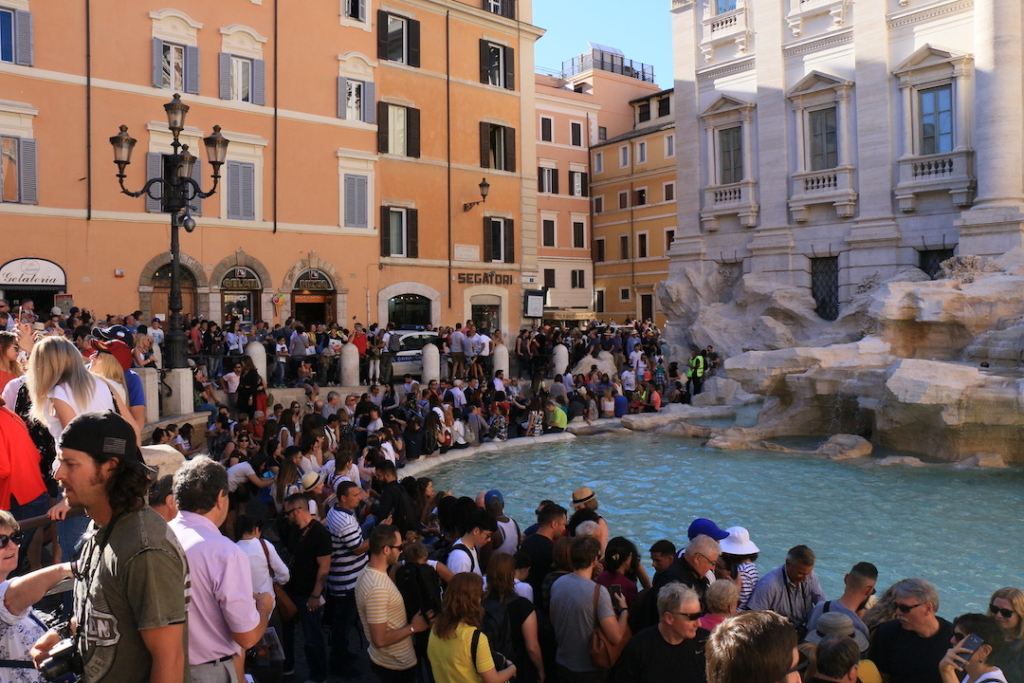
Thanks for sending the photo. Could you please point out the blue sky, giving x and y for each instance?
(643, 32)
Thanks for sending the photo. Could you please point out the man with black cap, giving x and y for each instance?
(130, 579)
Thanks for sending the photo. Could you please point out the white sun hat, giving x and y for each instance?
(738, 542)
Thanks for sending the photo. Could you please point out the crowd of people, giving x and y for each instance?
(291, 530)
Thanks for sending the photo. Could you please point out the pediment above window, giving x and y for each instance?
(727, 108)
(930, 63)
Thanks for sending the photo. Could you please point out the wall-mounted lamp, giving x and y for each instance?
(485, 189)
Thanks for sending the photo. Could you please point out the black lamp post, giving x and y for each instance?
(485, 188)
(177, 189)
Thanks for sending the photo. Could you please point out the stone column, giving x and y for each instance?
(431, 364)
(688, 131)
(559, 359)
(500, 359)
(349, 365)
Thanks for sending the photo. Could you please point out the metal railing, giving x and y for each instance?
(607, 61)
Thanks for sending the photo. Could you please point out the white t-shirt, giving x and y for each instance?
(102, 400)
(523, 590)
(459, 560)
(261, 582)
(994, 676)
(231, 381)
(238, 475)
(484, 344)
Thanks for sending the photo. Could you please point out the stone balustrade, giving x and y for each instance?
(833, 186)
(732, 199)
(952, 172)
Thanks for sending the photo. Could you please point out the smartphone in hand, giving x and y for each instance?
(971, 644)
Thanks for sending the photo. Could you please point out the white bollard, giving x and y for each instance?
(258, 353)
(560, 359)
(499, 356)
(151, 388)
(431, 364)
(180, 402)
(349, 365)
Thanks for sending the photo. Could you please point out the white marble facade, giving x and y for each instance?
(868, 130)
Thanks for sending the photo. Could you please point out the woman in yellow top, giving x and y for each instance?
(451, 639)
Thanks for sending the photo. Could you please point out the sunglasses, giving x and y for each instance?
(398, 547)
(905, 609)
(16, 538)
(1004, 613)
(688, 616)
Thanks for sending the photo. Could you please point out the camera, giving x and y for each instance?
(64, 665)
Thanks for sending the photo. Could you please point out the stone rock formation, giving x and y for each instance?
(605, 363)
(900, 367)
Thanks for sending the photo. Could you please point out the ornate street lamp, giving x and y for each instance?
(176, 190)
(485, 189)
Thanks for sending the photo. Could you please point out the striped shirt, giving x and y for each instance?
(379, 602)
(749, 576)
(346, 564)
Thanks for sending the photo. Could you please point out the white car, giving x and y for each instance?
(409, 359)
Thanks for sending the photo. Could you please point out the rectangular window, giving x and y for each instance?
(670, 192)
(498, 247)
(623, 247)
(546, 130)
(547, 179)
(398, 141)
(664, 106)
(576, 134)
(599, 162)
(599, 250)
(599, 204)
(670, 146)
(9, 167)
(241, 79)
(641, 196)
(241, 195)
(724, 6)
(6, 36)
(354, 100)
(624, 294)
(730, 155)
(641, 152)
(579, 278)
(497, 147)
(578, 185)
(641, 245)
(599, 301)
(495, 65)
(643, 112)
(549, 278)
(670, 236)
(396, 48)
(602, 133)
(624, 156)
(357, 200)
(623, 200)
(174, 66)
(549, 232)
(397, 231)
(579, 235)
(824, 154)
(936, 119)
(505, 8)
(355, 9)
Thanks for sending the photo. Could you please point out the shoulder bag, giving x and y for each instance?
(286, 608)
(601, 651)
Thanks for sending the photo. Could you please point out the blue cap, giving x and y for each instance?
(705, 527)
(493, 494)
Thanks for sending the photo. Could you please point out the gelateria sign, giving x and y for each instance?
(32, 272)
(488, 278)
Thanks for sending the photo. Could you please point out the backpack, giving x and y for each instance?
(461, 547)
(394, 343)
(498, 627)
(420, 587)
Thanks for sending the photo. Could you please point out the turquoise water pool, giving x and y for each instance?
(961, 530)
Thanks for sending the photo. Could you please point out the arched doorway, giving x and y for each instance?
(409, 311)
(162, 293)
(313, 298)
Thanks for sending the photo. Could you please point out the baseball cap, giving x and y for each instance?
(118, 349)
(705, 527)
(102, 434)
(493, 494)
(113, 332)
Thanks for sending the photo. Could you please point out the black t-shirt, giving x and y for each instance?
(311, 543)
(907, 657)
(649, 659)
(395, 501)
(541, 551)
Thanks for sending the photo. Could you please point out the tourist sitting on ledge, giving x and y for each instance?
(555, 418)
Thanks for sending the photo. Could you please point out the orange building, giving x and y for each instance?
(576, 110)
(358, 132)
(634, 200)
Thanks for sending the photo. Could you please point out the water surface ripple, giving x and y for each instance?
(961, 530)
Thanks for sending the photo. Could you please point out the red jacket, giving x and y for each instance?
(19, 462)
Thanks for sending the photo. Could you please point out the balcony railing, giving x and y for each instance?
(734, 199)
(802, 10)
(724, 28)
(952, 172)
(610, 62)
(828, 186)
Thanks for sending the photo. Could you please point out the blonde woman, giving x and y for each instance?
(105, 365)
(9, 365)
(142, 354)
